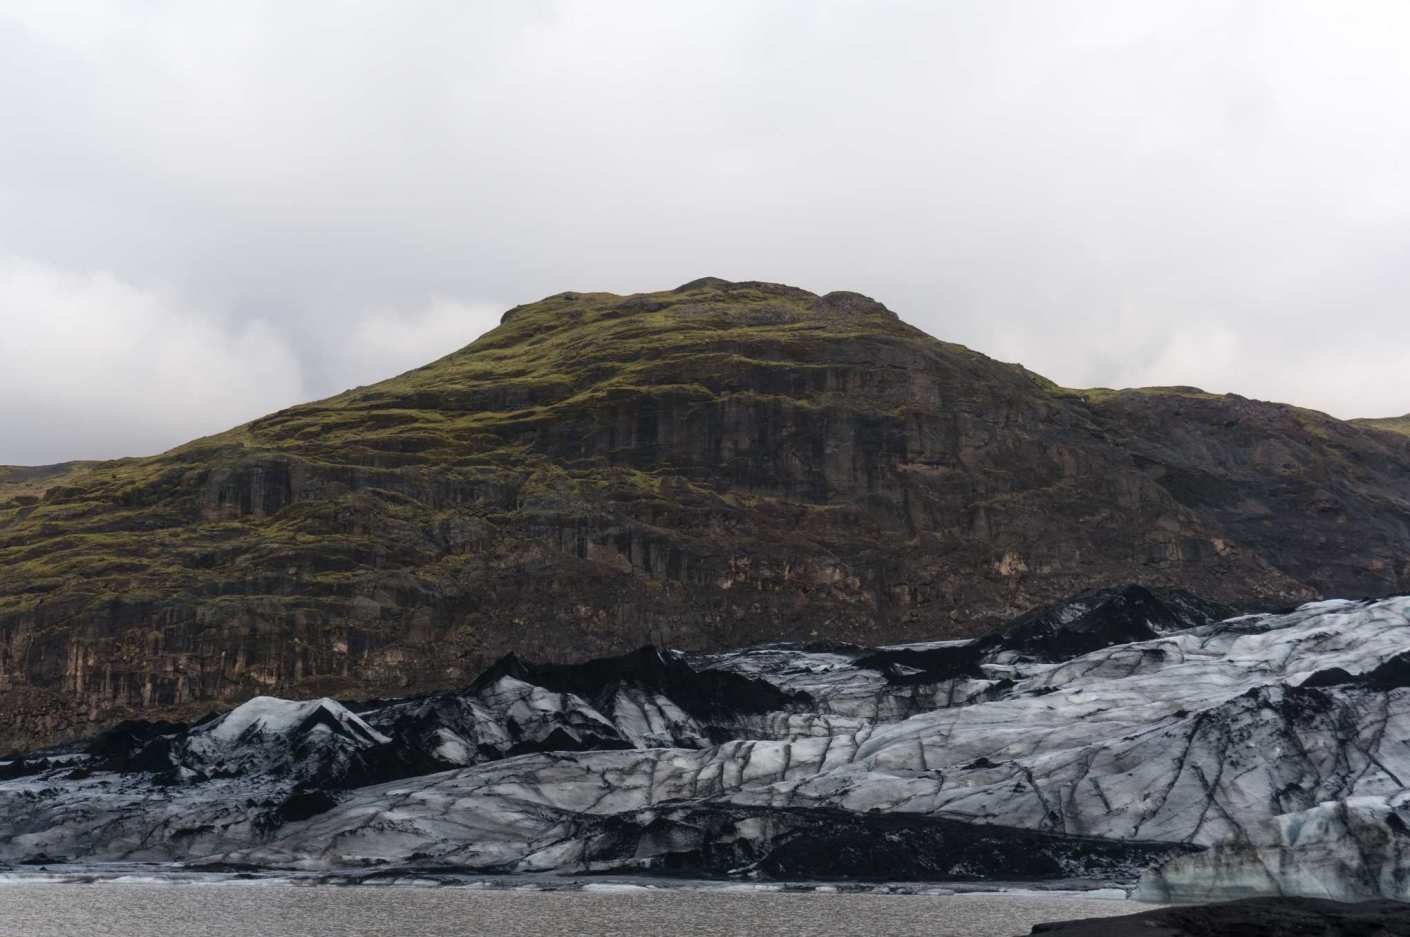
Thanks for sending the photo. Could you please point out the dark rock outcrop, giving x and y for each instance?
(784, 844)
(702, 468)
(1086, 622)
(1100, 618)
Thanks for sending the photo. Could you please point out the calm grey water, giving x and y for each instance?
(269, 910)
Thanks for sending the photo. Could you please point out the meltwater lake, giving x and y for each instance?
(266, 909)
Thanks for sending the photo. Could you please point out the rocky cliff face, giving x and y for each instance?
(707, 467)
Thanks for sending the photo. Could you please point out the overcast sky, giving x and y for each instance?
(212, 210)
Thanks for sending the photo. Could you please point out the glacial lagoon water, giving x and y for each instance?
(266, 909)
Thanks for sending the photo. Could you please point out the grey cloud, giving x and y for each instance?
(1112, 193)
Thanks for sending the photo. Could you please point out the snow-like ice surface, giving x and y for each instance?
(269, 736)
(1204, 737)
(509, 716)
(271, 716)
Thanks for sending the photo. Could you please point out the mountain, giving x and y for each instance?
(707, 467)
(1199, 760)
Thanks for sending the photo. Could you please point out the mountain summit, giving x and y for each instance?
(711, 466)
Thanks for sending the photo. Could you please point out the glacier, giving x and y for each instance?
(1122, 735)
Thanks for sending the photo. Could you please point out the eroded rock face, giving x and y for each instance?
(1201, 755)
(704, 468)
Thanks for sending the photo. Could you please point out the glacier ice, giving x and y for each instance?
(1261, 754)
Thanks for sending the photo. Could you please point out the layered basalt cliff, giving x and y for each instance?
(706, 467)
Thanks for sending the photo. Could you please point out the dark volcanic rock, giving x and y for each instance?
(137, 745)
(1251, 917)
(786, 844)
(1387, 676)
(927, 664)
(707, 695)
(1100, 618)
(703, 468)
(1086, 622)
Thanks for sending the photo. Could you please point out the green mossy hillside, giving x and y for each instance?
(708, 466)
(1393, 424)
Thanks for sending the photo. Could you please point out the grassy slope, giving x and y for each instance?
(1390, 424)
(32, 481)
(143, 530)
(135, 526)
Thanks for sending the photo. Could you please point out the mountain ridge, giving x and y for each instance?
(1389, 424)
(704, 467)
